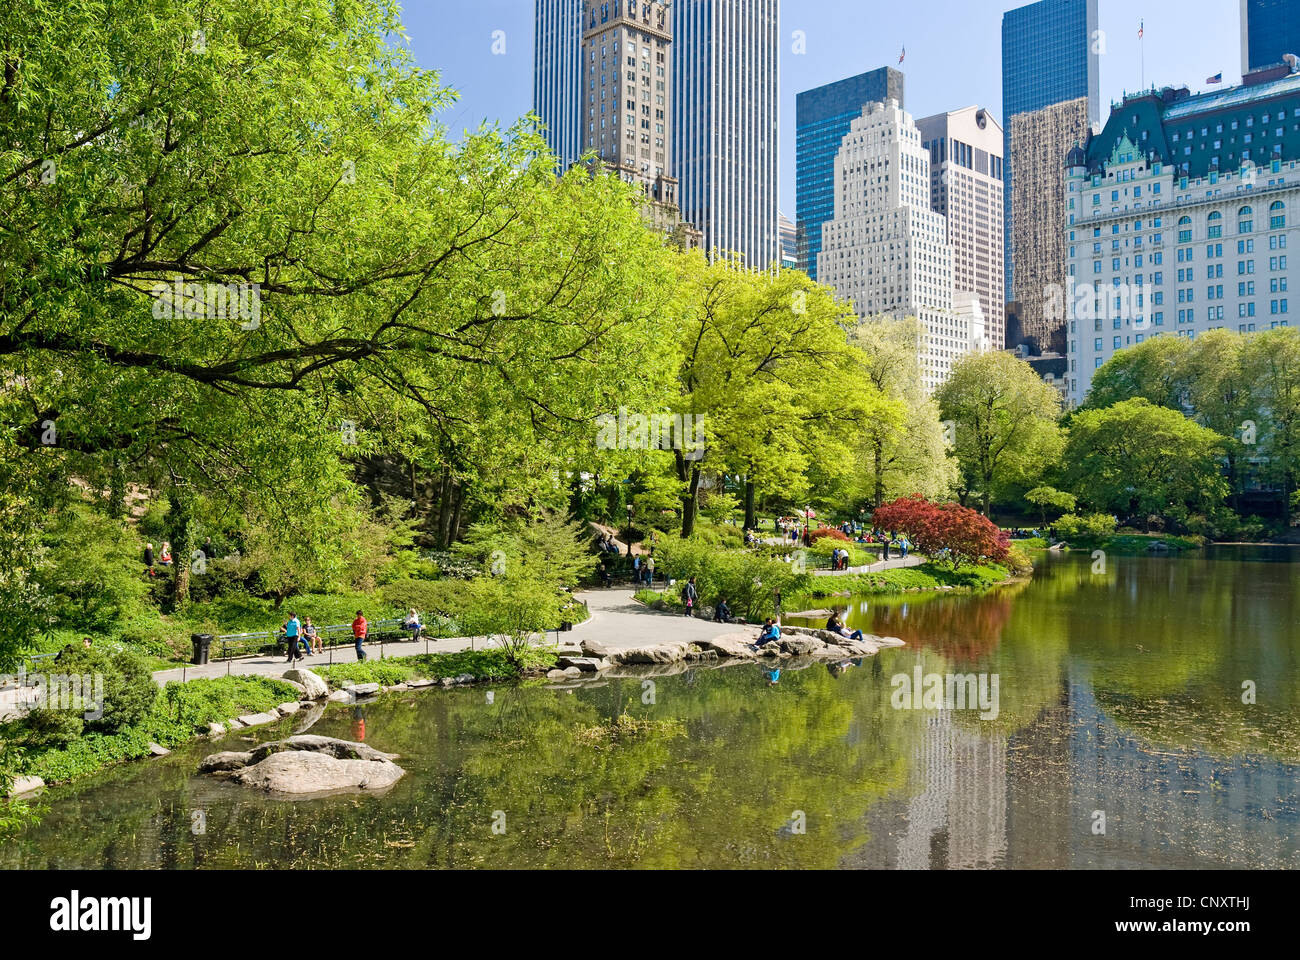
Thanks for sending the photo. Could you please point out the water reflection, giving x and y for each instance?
(1120, 693)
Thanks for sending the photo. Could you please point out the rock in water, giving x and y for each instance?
(315, 687)
(308, 765)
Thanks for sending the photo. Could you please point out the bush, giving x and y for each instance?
(824, 533)
(949, 531)
(1092, 525)
(746, 580)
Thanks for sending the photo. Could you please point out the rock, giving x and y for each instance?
(362, 689)
(341, 696)
(308, 766)
(573, 673)
(296, 685)
(447, 682)
(26, 785)
(655, 653)
(421, 683)
(584, 664)
(224, 762)
(287, 708)
(800, 646)
(397, 688)
(568, 650)
(735, 645)
(556, 675)
(465, 678)
(216, 730)
(594, 648)
(234, 724)
(313, 685)
(257, 719)
(157, 750)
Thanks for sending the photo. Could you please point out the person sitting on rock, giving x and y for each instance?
(836, 626)
(771, 633)
(722, 612)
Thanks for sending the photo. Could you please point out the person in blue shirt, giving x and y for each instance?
(292, 633)
(771, 633)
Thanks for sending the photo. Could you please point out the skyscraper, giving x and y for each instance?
(822, 118)
(886, 249)
(1050, 55)
(725, 147)
(1270, 29)
(557, 76)
(966, 187)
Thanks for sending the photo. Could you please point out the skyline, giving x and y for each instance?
(1182, 46)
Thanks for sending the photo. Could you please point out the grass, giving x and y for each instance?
(481, 664)
(928, 576)
(180, 713)
(1136, 543)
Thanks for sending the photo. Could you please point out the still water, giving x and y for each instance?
(1122, 707)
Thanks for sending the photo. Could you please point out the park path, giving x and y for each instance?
(617, 621)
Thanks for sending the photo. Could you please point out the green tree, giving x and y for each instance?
(1004, 423)
(1049, 498)
(1139, 459)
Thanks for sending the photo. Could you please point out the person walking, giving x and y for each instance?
(148, 558)
(292, 628)
(359, 630)
(650, 570)
(690, 594)
(885, 541)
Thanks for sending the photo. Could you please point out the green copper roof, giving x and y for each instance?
(1150, 121)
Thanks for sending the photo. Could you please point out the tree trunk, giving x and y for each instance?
(454, 531)
(691, 503)
(878, 495)
(751, 516)
(178, 523)
(444, 507)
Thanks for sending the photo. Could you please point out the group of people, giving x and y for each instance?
(163, 559)
(297, 631)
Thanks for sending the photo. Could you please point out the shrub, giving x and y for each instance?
(949, 531)
(1072, 525)
(824, 533)
(746, 580)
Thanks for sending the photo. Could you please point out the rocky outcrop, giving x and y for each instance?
(307, 766)
(26, 785)
(314, 688)
(794, 642)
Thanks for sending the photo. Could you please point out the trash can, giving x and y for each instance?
(201, 642)
(565, 626)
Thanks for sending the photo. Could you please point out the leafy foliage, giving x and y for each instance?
(949, 531)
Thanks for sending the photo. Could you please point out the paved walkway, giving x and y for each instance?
(893, 563)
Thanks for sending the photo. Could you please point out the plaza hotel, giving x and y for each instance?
(1182, 218)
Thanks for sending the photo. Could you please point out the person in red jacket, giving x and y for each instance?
(359, 629)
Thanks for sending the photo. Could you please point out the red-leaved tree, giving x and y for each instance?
(966, 535)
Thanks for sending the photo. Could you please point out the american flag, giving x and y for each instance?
(902, 55)
(1217, 78)
(1142, 29)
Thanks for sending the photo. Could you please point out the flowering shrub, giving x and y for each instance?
(822, 533)
(965, 535)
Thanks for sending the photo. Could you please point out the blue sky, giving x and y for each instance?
(953, 52)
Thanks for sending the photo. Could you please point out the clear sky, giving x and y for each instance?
(953, 59)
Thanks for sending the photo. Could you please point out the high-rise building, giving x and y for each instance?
(623, 62)
(1182, 214)
(966, 187)
(557, 77)
(1270, 29)
(886, 250)
(1040, 140)
(789, 260)
(725, 60)
(822, 118)
(1050, 55)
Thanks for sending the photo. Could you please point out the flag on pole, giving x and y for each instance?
(902, 55)
(1142, 29)
(1217, 78)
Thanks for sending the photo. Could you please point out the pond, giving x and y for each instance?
(1146, 715)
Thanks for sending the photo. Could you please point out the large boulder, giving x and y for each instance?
(653, 653)
(801, 646)
(313, 686)
(257, 719)
(362, 689)
(26, 785)
(307, 766)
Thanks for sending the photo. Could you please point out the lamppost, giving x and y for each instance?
(628, 537)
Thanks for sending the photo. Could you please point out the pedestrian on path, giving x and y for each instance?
(292, 629)
(359, 630)
(690, 594)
